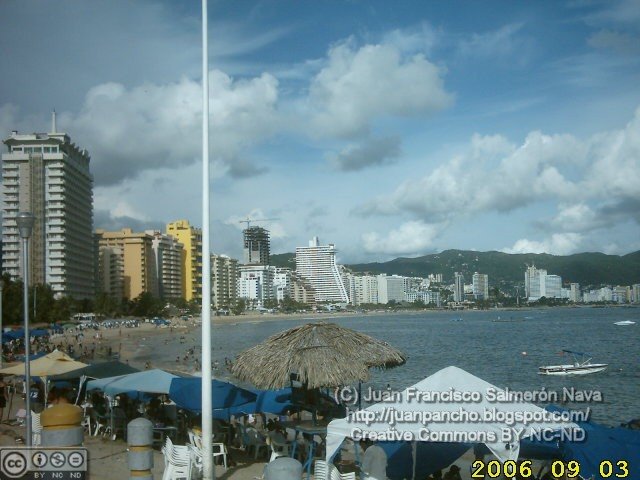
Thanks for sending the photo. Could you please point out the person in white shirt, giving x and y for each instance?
(374, 462)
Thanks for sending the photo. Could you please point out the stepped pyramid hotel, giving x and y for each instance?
(317, 265)
(48, 175)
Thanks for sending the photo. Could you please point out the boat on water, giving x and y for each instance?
(581, 366)
(625, 322)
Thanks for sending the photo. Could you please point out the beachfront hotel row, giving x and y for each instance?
(48, 175)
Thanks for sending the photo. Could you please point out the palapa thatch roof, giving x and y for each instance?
(322, 354)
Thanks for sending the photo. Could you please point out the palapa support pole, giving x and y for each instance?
(140, 457)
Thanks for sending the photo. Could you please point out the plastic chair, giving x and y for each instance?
(178, 461)
(278, 448)
(36, 429)
(255, 440)
(320, 470)
(219, 449)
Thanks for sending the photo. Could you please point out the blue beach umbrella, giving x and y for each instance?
(148, 381)
(276, 402)
(187, 394)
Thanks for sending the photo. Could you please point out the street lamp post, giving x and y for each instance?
(1, 327)
(25, 221)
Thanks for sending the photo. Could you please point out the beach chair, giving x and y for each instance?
(219, 449)
(178, 461)
(278, 448)
(320, 470)
(36, 429)
(254, 440)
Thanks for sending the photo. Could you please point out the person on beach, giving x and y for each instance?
(3, 396)
(453, 473)
(374, 461)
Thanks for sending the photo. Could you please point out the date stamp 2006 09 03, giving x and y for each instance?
(511, 469)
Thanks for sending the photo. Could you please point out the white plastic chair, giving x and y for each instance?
(278, 448)
(219, 449)
(320, 470)
(253, 439)
(178, 461)
(36, 429)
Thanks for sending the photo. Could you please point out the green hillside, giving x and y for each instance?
(585, 268)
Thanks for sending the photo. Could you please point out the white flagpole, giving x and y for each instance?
(209, 472)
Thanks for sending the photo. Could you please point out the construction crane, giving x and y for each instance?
(249, 220)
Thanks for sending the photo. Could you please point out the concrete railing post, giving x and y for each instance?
(140, 440)
(61, 426)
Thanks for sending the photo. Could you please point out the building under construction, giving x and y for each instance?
(256, 246)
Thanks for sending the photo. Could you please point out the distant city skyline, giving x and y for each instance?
(387, 129)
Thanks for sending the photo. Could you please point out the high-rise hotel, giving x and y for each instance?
(48, 175)
(317, 265)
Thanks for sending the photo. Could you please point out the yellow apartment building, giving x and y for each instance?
(126, 263)
(191, 238)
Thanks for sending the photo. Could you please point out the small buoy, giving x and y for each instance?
(524, 353)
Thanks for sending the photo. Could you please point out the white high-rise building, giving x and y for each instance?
(168, 253)
(317, 265)
(390, 288)
(458, 287)
(224, 282)
(48, 175)
(574, 294)
(635, 293)
(255, 284)
(539, 284)
(282, 284)
(480, 286)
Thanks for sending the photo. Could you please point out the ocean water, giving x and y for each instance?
(490, 350)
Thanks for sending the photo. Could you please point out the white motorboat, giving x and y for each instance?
(580, 366)
(625, 322)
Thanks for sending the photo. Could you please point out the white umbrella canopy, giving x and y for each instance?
(413, 407)
(54, 363)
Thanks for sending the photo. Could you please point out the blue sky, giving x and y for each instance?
(387, 128)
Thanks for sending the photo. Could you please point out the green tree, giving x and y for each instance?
(146, 305)
(239, 307)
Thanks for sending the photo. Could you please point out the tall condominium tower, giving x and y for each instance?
(224, 282)
(480, 286)
(168, 253)
(317, 264)
(127, 263)
(191, 238)
(48, 175)
(256, 246)
(458, 287)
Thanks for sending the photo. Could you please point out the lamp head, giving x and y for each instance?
(25, 221)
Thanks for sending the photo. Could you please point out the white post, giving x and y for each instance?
(27, 338)
(209, 472)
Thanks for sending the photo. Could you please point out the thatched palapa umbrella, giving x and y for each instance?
(322, 354)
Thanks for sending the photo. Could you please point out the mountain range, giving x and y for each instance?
(591, 268)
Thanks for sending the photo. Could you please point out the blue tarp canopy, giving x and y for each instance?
(187, 394)
(148, 381)
(15, 334)
(276, 402)
(100, 370)
(602, 444)
(430, 457)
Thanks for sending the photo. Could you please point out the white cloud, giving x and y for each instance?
(373, 151)
(359, 84)
(557, 244)
(411, 238)
(276, 229)
(149, 126)
(492, 174)
(505, 42)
